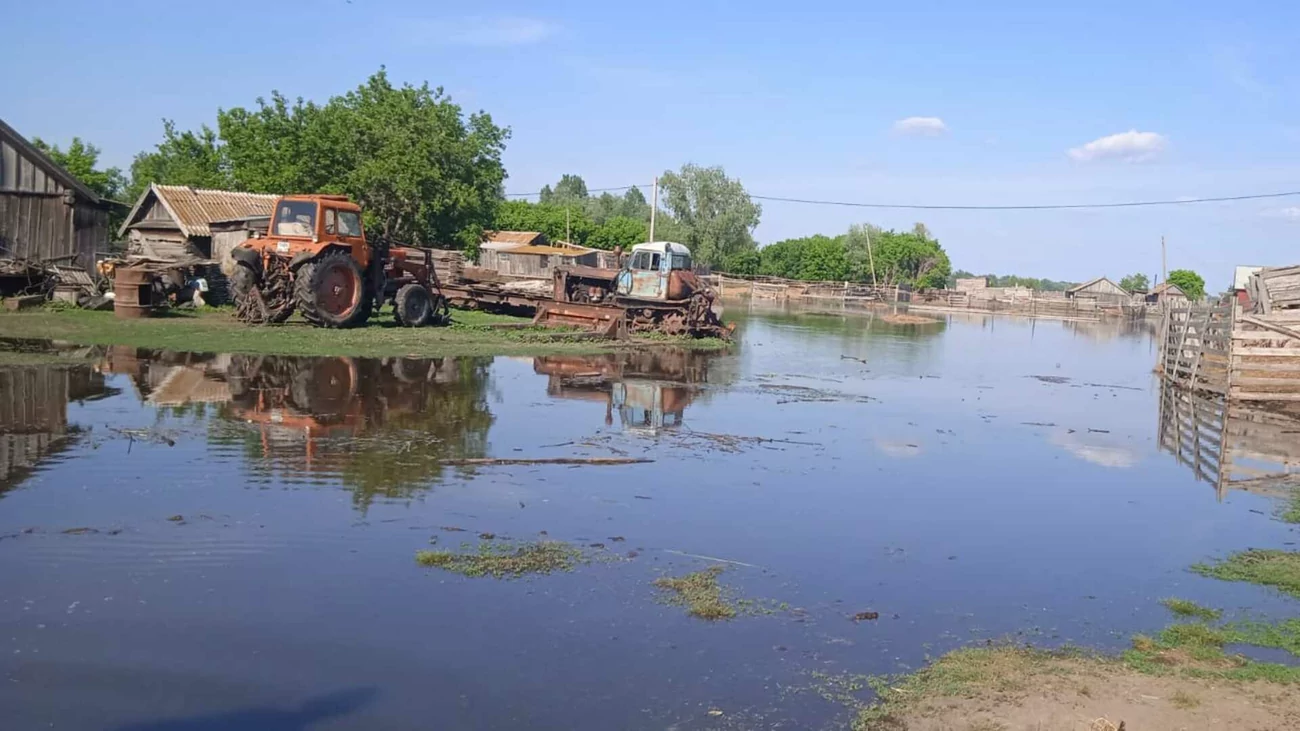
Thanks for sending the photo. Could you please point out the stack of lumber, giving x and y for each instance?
(450, 265)
(1275, 288)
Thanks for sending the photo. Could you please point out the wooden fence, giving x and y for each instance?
(1266, 357)
(1194, 347)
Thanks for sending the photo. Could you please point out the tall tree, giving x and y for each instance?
(82, 160)
(571, 189)
(1135, 283)
(182, 158)
(1189, 281)
(717, 216)
(423, 170)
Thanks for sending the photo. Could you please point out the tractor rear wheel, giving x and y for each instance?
(413, 306)
(331, 291)
(241, 281)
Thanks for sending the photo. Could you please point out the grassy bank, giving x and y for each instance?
(472, 333)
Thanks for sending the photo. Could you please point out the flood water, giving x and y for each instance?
(202, 541)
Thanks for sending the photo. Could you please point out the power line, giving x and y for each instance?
(936, 207)
(589, 190)
(1044, 207)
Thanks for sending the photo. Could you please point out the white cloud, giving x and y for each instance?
(499, 31)
(920, 126)
(1291, 212)
(1130, 146)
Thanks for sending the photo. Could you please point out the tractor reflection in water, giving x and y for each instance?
(648, 391)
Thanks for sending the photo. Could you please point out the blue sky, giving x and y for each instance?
(807, 100)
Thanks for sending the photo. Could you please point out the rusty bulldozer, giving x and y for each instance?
(315, 259)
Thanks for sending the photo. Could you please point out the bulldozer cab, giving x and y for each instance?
(310, 223)
(654, 271)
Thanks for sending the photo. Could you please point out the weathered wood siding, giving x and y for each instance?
(42, 219)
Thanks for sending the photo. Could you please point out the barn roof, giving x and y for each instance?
(194, 208)
(51, 168)
(1090, 284)
(518, 238)
(1168, 288)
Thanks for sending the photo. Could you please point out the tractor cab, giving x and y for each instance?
(310, 223)
(659, 272)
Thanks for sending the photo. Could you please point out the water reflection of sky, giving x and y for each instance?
(927, 474)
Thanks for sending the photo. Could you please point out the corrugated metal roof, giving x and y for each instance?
(522, 238)
(194, 208)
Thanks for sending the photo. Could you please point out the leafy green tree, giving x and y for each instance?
(82, 160)
(420, 167)
(618, 231)
(423, 170)
(1190, 282)
(823, 259)
(634, 204)
(783, 258)
(906, 258)
(570, 189)
(1135, 283)
(544, 217)
(743, 263)
(857, 253)
(182, 158)
(717, 215)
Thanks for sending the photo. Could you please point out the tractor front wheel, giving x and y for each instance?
(413, 306)
(331, 291)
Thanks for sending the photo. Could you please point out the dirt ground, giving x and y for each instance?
(1081, 694)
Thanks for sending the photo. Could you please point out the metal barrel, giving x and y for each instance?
(133, 292)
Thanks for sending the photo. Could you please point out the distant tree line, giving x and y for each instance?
(1011, 280)
(865, 253)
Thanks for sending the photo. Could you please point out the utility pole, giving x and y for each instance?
(1164, 264)
(870, 256)
(654, 207)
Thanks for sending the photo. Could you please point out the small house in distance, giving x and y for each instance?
(1166, 293)
(1103, 291)
(970, 284)
(173, 222)
(528, 255)
(46, 214)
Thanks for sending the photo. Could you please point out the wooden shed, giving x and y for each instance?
(1166, 293)
(527, 254)
(173, 222)
(1103, 291)
(46, 213)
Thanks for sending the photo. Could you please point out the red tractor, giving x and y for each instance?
(315, 259)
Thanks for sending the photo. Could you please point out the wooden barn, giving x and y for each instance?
(1101, 290)
(174, 222)
(45, 213)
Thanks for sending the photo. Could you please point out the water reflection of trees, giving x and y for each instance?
(1233, 446)
(34, 424)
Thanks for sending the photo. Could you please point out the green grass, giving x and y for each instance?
(1290, 512)
(1187, 608)
(218, 331)
(699, 592)
(1267, 567)
(505, 560)
(1196, 650)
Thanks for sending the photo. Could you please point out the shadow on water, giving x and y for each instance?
(265, 718)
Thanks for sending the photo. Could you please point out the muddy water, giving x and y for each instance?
(193, 541)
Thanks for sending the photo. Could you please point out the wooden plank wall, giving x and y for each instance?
(36, 221)
(1266, 357)
(33, 400)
